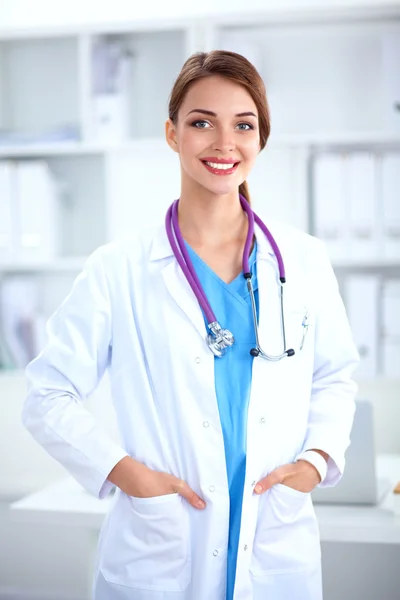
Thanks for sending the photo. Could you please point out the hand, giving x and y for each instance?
(135, 479)
(301, 476)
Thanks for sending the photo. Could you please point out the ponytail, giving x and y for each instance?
(244, 191)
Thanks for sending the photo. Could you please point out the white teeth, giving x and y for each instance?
(220, 166)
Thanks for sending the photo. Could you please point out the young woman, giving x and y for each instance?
(230, 360)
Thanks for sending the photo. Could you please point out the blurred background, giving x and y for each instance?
(84, 90)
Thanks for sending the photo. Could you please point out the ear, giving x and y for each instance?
(170, 135)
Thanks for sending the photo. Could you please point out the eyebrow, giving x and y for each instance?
(210, 113)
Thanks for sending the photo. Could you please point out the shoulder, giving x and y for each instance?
(293, 240)
(134, 250)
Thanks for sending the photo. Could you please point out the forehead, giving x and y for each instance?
(219, 95)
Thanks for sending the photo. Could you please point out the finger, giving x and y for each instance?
(276, 476)
(186, 492)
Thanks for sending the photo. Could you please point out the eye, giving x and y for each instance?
(244, 126)
(201, 124)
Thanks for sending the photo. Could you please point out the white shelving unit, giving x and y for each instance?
(325, 80)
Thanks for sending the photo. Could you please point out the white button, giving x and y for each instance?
(198, 359)
(245, 547)
(206, 424)
(211, 488)
(262, 420)
(215, 553)
(253, 483)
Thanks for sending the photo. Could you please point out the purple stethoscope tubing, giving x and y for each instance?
(182, 256)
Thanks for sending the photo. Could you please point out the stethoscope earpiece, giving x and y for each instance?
(254, 352)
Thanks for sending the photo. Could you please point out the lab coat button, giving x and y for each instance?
(245, 547)
(215, 553)
(253, 483)
(211, 488)
(198, 359)
(262, 420)
(206, 424)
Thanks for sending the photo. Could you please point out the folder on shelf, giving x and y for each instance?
(37, 214)
(21, 322)
(362, 303)
(7, 216)
(390, 203)
(360, 188)
(391, 328)
(329, 206)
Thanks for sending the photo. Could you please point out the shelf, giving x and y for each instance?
(373, 263)
(79, 148)
(335, 140)
(60, 265)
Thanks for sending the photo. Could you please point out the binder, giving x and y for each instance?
(361, 195)
(391, 328)
(362, 303)
(329, 194)
(7, 216)
(390, 202)
(37, 214)
(391, 80)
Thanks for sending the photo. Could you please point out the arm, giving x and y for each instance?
(332, 403)
(68, 369)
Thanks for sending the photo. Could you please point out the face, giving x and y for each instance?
(216, 135)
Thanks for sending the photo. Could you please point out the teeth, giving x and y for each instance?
(220, 166)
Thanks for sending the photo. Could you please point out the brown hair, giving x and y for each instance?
(231, 66)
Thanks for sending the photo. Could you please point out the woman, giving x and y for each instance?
(221, 446)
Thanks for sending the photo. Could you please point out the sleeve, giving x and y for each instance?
(69, 368)
(332, 404)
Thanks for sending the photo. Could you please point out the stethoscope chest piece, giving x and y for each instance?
(219, 339)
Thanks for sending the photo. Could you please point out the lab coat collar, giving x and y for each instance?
(161, 247)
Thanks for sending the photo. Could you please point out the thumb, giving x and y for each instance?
(186, 492)
(277, 476)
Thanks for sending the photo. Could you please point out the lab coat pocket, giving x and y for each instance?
(147, 544)
(287, 538)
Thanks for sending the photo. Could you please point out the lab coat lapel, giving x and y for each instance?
(183, 295)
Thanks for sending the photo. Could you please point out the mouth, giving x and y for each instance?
(220, 167)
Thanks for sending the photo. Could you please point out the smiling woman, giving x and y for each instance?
(220, 450)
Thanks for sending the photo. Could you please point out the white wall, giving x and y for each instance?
(25, 13)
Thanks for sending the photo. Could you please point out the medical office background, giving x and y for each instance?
(83, 100)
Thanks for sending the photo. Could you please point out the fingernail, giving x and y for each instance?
(200, 504)
(258, 489)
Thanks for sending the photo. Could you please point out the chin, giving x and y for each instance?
(222, 188)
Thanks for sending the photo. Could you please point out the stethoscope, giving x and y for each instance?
(219, 339)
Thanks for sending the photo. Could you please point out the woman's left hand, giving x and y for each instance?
(301, 476)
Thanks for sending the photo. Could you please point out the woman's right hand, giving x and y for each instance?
(135, 479)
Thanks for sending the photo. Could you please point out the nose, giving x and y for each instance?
(224, 141)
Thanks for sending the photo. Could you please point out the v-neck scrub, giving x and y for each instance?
(231, 304)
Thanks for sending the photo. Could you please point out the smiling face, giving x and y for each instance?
(216, 135)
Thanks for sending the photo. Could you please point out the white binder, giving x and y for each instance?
(7, 207)
(362, 303)
(330, 203)
(391, 328)
(361, 194)
(36, 199)
(390, 203)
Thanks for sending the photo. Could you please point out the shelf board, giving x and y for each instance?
(78, 148)
(337, 139)
(59, 265)
(373, 263)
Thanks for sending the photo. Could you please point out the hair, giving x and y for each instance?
(234, 67)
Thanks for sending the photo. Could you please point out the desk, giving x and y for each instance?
(67, 503)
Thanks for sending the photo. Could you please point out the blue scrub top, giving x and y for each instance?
(231, 305)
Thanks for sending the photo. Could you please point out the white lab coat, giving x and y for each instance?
(132, 311)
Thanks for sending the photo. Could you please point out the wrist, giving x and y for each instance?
(317, 460)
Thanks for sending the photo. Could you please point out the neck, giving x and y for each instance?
(209, 220)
